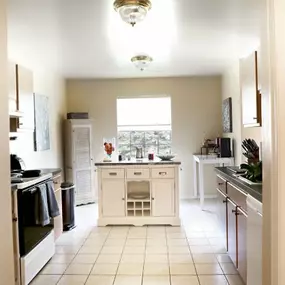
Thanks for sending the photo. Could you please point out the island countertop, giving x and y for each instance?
(139, 162)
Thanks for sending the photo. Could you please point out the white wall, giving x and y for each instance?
(231, 88)
(196, 110)
(6, 247)
(33, 42)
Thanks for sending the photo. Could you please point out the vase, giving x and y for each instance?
(109, 147)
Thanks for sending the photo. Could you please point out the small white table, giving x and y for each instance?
(206, 159)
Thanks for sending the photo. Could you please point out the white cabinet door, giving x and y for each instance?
(82, 164)
(163, 199)
(113, 197)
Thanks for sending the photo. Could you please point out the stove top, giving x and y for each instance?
(27, 182)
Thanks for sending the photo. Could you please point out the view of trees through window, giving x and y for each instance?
(144, 122)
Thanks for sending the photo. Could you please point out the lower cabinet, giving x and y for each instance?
(163, 198)
(242, 240)
(221, 210)
(58, 224)
(113, 198)
(232, 232)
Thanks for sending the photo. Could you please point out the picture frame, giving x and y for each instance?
(227, 115)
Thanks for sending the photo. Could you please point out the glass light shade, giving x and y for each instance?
(133, 14)
(141, 62)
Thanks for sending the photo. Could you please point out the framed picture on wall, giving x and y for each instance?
(41, 132)
(227, 115)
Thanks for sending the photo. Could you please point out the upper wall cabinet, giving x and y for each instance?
(25, 97)
(251, 97)
(12, 79)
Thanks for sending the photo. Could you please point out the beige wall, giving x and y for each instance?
(196, 110)
(231, 88)
(6, 250)
(36, 47)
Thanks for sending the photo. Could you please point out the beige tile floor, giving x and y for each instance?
(156, 255)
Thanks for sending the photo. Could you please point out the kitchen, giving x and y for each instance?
(48, 83)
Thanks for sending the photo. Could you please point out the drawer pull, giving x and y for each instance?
(224, 201)
(221, 183)
(113, 173)
(162, 173)
(55, 182)
(137, 173)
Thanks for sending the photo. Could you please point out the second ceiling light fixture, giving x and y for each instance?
(132, 12)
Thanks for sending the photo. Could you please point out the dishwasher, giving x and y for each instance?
(254, 241)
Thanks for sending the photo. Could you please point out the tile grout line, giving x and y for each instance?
(98, 253)
(75, 254)
(121, 256)
(167, 246)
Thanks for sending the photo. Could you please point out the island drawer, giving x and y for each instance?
(137, 173)
(237, 196)
(162, 173)
(221, 184)
(113, 173)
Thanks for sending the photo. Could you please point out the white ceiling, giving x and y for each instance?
(184, 37)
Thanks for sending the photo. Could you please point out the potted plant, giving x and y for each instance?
(253, 167)
(253, 171)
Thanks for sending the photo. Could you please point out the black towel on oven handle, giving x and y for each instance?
(52, 203)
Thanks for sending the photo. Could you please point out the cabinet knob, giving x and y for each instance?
(224, 201)
(15, 219)
(123, 199)
(255, 118)
(220, 183)
(152, 198)
(234, 211)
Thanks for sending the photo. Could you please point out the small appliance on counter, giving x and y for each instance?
(139, 152)
(16, 163)
(223, 146)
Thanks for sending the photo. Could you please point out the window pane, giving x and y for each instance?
(124, 137)
(164, 136)
(144, 111)
(124, 149)
(137, 138)
(164, 148)
(151, 147)
(151, 137)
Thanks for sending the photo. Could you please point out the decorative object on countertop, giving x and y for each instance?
(166, 157)
(253, 172)
(227, 115)
(109, 147)
(41, 132)
(139, 152)
(132, 11)
(251, 150)
(253, 166)
(209, 146)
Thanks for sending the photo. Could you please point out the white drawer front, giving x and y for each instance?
(162, 173)
(137, 173)
(113, 173)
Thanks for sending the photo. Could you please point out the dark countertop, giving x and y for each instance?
(254, 190)
(133, 162)
(54, 171)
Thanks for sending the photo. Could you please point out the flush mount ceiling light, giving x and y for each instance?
(132, 11)
(141, 61)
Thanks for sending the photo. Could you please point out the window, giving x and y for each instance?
(144, 122)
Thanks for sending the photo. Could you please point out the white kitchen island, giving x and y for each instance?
(138, 193)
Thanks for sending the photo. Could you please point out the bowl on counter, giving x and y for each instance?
(166, 157)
